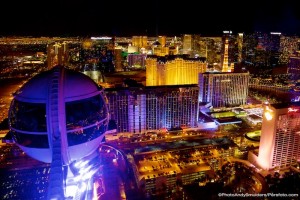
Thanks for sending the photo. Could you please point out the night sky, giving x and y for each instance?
(152, 18)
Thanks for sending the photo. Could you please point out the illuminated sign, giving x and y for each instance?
(275, 33)
(268, 114)
(226, 32)
(101, 38)
(292, 110)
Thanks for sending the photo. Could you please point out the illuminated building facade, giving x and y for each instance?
(159, 49)
(118, 60)
(174, 45)
(137, 113)
(57, 54)
(183, 71)
(93, 73)
(210, 48)
(289, 45)
(240, 47)
(191, 45)
(151, 108)
(280, 136)
(136, 60)
(139, 41)
(294, 67)
(173, 71)
(274, 47)
(162, 40)
(186, 44)
(223, 89)
(154, 71)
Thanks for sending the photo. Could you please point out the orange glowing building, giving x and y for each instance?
(173, 71)
(57, 54)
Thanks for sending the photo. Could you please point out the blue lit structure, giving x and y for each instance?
(60, 117)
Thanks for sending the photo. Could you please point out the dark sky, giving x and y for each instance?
(152, 17)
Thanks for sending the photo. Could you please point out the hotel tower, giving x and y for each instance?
(280, 137)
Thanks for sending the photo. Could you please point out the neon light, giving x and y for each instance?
(275, 33)
(101, 38)
(292, 110)
(268, 113)
(268, 116)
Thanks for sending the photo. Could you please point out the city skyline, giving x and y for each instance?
(65, 18)
(194, 130)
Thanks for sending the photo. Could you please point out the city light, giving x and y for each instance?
(292, 109)
(268, 114)
(163, 125)
(275, 33)
(101, 38)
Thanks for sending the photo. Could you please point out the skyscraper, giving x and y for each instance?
(162, 40)
(57, 54)
(139, 41)
(118, 59)
(136, 60)
(274, 47)
(150, 108)
(223, 89)
(294, 67)
(280, 136)
(187, 44)
(240, 47)
(173, 70)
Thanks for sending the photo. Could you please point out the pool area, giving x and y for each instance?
(253, 136)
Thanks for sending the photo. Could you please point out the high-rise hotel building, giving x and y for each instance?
(280, 137)
(187, 43)
(294, 67)
(139, 41)
(240, 47)
(141, 109)
(173, 70)
(223, 89)
(118, 60)
(57, 54)
(136, 60)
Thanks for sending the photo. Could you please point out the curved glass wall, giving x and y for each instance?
(85, 112)
(84, 135)
(31, 140)
(26, 116)
(82, 117)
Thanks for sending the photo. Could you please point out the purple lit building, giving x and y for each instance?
(136, 60)
(294, 67)
(223, 89)
(151, 108)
